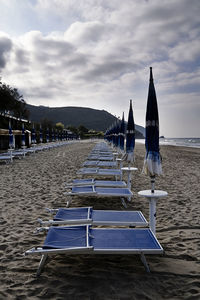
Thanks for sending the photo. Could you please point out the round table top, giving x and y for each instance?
(129, 169)
(156, 194)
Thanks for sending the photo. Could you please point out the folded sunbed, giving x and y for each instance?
(87, 215)
(88, 240)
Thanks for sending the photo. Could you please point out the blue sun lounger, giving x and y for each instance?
(91, 190)
(87, 215)
(101, 157)
(98, 163)
(98, 183)
(87, 240)
(6, 158)
(100, 172)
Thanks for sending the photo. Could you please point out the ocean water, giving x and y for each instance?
(186, 142)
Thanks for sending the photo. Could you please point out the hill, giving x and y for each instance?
(95, 119)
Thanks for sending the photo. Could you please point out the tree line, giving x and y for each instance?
(12, 101)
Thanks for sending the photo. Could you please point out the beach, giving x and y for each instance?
(36, 182)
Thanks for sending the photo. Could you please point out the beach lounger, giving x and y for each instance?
(98, 163)
(6, 158)
(91, 190)
(87, 215)
(101, 157)
(100, 172)
(99, 183)
(88, 240)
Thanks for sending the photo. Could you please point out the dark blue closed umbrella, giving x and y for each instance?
(33, 136)
(23, 136)
(11, 138)
(41, 136)
(57, 135)
(47, 135)
(122, 134)
(152, 164)
(118, 134)
(52, 135)
(130, 135)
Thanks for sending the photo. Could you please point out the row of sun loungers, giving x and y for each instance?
(74, 231)
(18, 153)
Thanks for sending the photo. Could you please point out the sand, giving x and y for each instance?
(30, 185)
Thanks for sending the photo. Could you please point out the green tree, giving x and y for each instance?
(73, 129)
(60, 126)
(82, 131)
(12, 101)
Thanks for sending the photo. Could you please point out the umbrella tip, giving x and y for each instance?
(151, 74)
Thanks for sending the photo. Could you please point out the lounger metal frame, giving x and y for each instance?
(91, 250)
(95, 192)
(90, 221)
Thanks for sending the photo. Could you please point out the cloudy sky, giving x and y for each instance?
(97, 53)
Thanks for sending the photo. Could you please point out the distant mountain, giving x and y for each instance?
(95, 119)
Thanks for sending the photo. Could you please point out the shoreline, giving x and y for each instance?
(176, 142)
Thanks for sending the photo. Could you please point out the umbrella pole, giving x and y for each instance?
(152, 183)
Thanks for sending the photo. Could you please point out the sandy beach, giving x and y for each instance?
(30, 185)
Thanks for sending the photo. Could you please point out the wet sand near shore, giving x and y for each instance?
(31, 184)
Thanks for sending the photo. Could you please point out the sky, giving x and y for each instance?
(97, 53)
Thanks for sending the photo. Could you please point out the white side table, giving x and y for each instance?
(129, 170)
(152, 197)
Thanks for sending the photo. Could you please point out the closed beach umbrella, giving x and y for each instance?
(130, 136)
(57, 135)
(47, 135)
(118, 134)
(152, 163)
(11, 139)
(33, 137)
(52, 135)
(122, 134)
(41, 137)
(23, 136)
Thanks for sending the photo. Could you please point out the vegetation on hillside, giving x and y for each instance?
(12, 101)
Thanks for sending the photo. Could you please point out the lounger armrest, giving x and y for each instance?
(51, 211)
(41, 229)
(68, 185)
(49, 222)
(67, 222)
(40, 250)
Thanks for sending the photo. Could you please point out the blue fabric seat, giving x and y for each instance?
(88, 240)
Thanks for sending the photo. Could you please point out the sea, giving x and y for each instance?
(185, 142)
